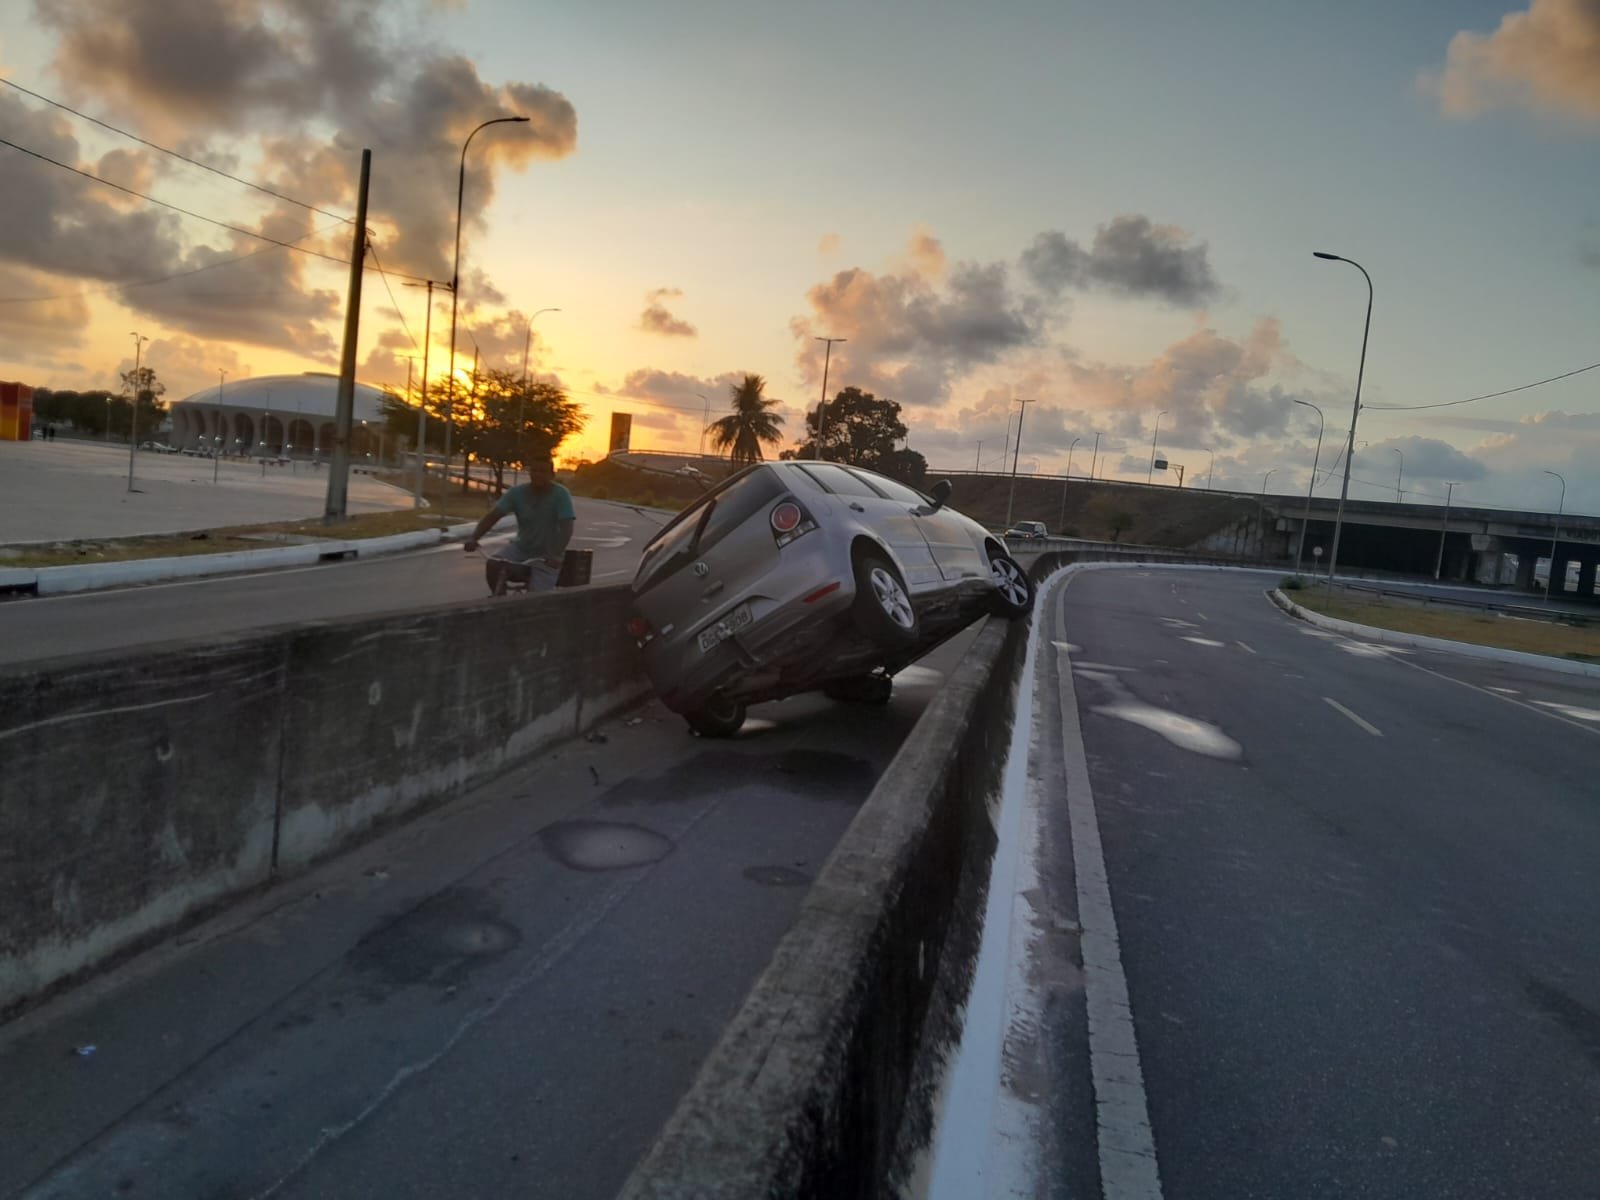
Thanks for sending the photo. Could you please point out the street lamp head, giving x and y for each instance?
(1329, 257)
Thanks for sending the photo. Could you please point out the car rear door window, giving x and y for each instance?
(840, 481)
(891, 488)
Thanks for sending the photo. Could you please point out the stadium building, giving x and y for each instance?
(276, 416)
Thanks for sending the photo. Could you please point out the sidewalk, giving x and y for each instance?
(67, 490)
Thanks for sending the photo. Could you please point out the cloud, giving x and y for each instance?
(1132, 256)
(1425, 458)
(1545, 59)
(915, 329)
(300, 85)
(657, 319)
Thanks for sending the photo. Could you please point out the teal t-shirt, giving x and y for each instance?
(536, 517)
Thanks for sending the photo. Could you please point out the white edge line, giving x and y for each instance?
(1128, 1166)
(1367, 725)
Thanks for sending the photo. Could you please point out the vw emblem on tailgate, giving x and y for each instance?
(701, 569)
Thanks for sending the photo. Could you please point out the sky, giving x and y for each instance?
(1088, 213)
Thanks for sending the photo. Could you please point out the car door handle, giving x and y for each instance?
(857, 507)
(713, 590)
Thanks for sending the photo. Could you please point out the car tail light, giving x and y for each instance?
(789, 521)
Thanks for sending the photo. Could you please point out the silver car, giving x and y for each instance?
(799, 576)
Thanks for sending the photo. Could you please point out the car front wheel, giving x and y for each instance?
(718, 717)
(883, 608)
(1013, 590)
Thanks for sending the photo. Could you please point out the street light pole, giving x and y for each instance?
(1016, 453)
(1261, 515)
(977, 461)
(1355, 412)
(422, 403)
(1061, 523)
(133, 417)
(1550, 577)
(705, 421)
(1305, 521)
(1444, 525)
(1399, 476)
(1212, 469)
(455, 279)
(1150, 471)
(215, 457)
(1094, 461)
(522, 400)
(822, 405)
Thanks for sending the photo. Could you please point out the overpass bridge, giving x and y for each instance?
(1480, 545)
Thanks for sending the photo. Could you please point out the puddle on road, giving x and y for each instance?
(1365, 650)
(1184, 732)
(1175, 623)
(1096, 676)
(439, 942)
(776, 876)
(603, 845)
(1205, 641)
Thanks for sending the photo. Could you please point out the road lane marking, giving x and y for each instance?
(1367, 725)
(1201, 615)
(1205, 641)
(1571, 710)
(1128, 1167)
(1496, 694)
(1242, 646)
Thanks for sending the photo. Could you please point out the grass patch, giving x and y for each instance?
(229, 538)
(1509, 633)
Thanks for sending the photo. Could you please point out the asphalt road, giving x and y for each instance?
(98, 622)
(504, 998)
(1355, 895)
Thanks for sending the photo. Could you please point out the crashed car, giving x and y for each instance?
(802, 576)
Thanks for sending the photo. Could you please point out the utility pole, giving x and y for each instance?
(133, 417)
(1150, 470)
(822, 408)
(1444, 525)
(1016, 453)
(1554, 537)
(977, 461)
(422, 407)
(1095, 459)
(345, 406)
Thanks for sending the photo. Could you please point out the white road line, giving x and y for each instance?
(1242, 646)
(1128, 1168)
(1201, 615)
(1367, 725)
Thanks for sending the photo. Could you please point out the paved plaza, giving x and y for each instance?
(65, 490)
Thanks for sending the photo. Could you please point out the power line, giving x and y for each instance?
(123, 287)
(1473, 399)
(249, 233)
(175, 154)
(175, 208)
(384, 275)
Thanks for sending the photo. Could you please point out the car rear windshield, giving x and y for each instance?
(730, 505)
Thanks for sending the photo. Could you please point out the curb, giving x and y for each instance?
(1564, 666)
(52, 581)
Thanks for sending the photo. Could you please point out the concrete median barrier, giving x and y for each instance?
(139, 790)
(822, 1086)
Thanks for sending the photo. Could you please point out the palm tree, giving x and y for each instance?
(750, 423)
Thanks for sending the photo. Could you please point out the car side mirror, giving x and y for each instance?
(941, 493)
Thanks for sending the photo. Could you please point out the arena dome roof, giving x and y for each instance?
(311, 394)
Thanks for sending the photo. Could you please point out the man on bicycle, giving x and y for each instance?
(545, 520)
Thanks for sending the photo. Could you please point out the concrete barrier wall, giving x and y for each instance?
(822, 1086)
(139, 790)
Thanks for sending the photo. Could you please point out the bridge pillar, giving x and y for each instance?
(1526, 561)
(1586, 574)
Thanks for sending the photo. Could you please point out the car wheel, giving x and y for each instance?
(860, 689)
(883, 608)
(718, 717)
(1013, 590)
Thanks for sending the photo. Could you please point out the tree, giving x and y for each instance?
(907, 466)
(511, 421)
(146, 389)
(85, 411)
(857, 428)
(750, 423)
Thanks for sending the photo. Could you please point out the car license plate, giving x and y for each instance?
(714, 635)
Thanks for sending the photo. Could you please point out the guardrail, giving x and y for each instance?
(1526, 612)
